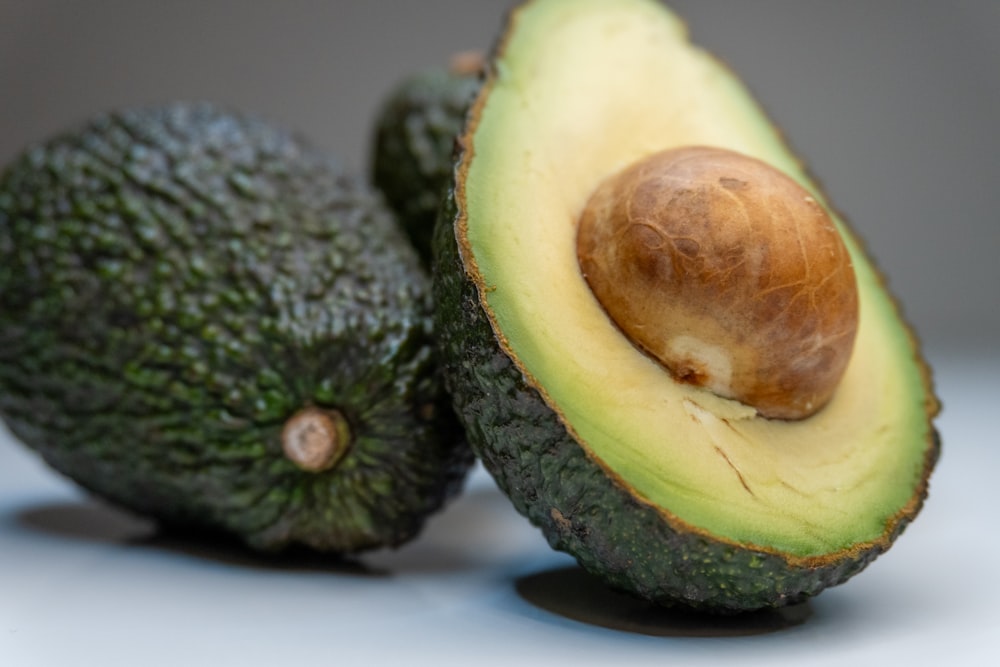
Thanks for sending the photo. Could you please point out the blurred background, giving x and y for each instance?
(894, 104)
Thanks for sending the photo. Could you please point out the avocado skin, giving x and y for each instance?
(413, 148)
(578, 504)
(175, 283)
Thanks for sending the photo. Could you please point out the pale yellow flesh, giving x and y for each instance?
(584, 88)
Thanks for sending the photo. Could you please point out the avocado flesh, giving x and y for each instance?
(578, 91)
(176, 284)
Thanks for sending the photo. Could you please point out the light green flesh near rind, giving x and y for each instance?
(584, 88)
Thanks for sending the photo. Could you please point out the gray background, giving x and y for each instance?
(893, 103)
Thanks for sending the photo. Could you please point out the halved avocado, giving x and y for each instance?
(662, 488)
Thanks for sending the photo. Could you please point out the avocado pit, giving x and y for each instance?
(728, 273)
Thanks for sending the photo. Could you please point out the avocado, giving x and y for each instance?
(414, 140)
(654, 480)
(204, 320)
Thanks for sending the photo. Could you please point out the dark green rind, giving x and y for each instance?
(576, 503)
(414, 143)
(175, 283)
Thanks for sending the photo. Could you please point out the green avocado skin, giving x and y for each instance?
(175, 283)
(413, 148)
(576, 503)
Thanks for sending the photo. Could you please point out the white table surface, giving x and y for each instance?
(84, 584)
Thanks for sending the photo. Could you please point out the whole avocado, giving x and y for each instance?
(204, 320)
(413, 147)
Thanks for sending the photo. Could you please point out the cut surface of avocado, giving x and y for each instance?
(579, 90)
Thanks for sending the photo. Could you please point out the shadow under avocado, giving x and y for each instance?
(458, 538)
(94, 521)
(572, 593)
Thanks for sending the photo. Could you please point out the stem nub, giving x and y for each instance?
(467, 63)
(315, 439)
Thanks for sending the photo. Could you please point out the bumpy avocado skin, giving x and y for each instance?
(175, 283)
(414, 143)
(576, 502)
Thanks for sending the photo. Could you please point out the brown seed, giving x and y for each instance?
(726, 271)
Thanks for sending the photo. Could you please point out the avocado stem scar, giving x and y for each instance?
(467, 63)
(315, 439)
